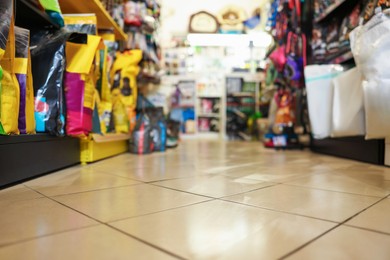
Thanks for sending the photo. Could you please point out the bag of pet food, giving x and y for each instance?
(80, 84)
(26, 122)
(141, 141)
(81, 23)
(9, 92)
(48, 66)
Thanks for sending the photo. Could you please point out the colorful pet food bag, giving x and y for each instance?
(9, 92)
(80, 84)
(26, 122)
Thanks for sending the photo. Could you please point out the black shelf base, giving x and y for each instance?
(355, 148)
(27, 157)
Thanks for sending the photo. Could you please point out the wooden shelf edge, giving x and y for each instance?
(104, 19)
(109, 137)
(328, 11)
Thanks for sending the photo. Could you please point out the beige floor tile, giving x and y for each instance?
(344, 181)
(99, 242)
(214, 186)
(328, 205)
(347, 243)
(18, 192)
(376, 218)
(77, 179)
(26, 219)
(152, 172)
(224, 230)
(118, 203)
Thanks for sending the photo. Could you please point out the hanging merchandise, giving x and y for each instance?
(80, 83)
(81, 23)
(348, 109)
(10, 94)
(285, 113)
(320, 97)
(296, 59)
(26, 122)
(53, 9)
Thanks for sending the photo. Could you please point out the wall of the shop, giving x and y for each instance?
(175, 14)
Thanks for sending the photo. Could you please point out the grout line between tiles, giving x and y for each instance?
(368, 229)
(111, 227)
(279, 211)
(337, 226)
(46, 235)
(152, 213)
(116, 229)
(344, 192)
(79, 192)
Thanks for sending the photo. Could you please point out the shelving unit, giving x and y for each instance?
(104, 20)
(335, 9)
(26, 156)
(356, 148)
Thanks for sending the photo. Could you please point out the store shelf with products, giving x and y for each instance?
(334, 9)
(104, 20)
(37, 18)
(27, 156)
(339, 19)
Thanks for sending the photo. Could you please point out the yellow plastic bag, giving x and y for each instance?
(9, 90)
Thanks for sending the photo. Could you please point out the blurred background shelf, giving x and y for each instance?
(104, 20)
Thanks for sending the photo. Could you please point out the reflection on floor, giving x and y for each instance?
(203, 200)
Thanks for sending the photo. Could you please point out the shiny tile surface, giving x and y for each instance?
(202, 200)
(125, 202)
(99, 242)
(328, 205)
(75, 180)
(363, 183)
(214, 186)
(375, 218)
(28, 219)
(18, 192)
(347, 243)
(223, 230)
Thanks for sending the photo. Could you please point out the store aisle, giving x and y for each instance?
(204, 200)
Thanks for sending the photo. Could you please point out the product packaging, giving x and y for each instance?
(26, 122)
(48, 66)
(141, 141)
(348, 108)
(9, 92)
(124, 83)
(53, 9)
(81, 23)
(320, 97)
(80, 83)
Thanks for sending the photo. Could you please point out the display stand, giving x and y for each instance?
(356, 148)
(104, 20)
(26, 156)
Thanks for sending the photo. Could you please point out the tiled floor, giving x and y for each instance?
(203, 200)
